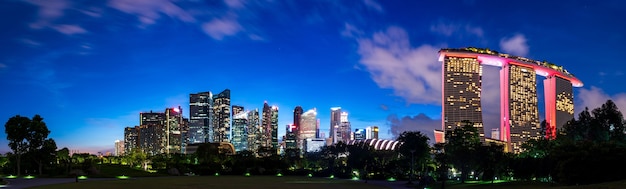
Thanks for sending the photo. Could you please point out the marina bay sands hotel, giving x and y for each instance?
(519, 115)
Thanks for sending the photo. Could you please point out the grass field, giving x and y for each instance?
(221, 182)
(534, 185)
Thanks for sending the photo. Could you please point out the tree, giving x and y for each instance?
(414, 148)
(63, 157)
(461, 148)
(16, 129)
(610, 119)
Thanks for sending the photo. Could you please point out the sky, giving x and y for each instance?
(89, 67)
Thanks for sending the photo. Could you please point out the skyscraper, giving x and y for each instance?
(335, 120)
(371, 132)
(131, 139)
(221, 117)
(119, 148)
(266, 126)
(253, 130)
(240, 135)
(359, 134)
(200, 117)
(461, 93)
(269, 127)
(297, 123)
(520, 114)
(274, 123)
(237, 109)
(308, 128)
(174, 130)
(559, 104)
(343, 130)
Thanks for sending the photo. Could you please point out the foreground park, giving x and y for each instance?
(288, 182)
(588, 150)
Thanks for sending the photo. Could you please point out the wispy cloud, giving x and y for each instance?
(49, 12)
(594, 97)
(420, 122)
(29, 42)
(235, 3)
(220, 28)
(2, 66)
(148, 11)
(412, 73)
(372, 4)
(449, 28)
(350, 30)
(69, 29)
(515, 45)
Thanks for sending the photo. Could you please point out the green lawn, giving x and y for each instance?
(534, 185)
(221, 182)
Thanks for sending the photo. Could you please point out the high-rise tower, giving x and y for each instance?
(461, 93)
(221, 117)
(200, 114)
(559, 104)
(520, 114)
(335, 120)
(240, 136)
(253, 130)
(297, 125)
(308, 128)
(269, 127)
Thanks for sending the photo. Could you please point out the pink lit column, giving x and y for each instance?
(505, 128)
(550, 95)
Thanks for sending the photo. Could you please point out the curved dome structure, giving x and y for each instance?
(377, 144)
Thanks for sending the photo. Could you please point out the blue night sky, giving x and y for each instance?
(90, 67)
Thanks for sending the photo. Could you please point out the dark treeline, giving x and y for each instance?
(589, 149)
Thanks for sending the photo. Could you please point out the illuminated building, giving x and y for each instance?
(495, 133)
(200, 114)
(119, 148)
(308, 128)
(559, 104)
(297, 125)
(269, 127)
(520, 114)
(314, 144)
(240, 135)
(274, 123)
(151, 133)
(371, 132)
(131, 139)
(175, 130)
(290, 137)
(440, 136)
(359, 134)
(236, 110)
(461, 93)
(376, 144)
(253, 130)
(335, 120)
(342, 131)
(221, 117)
(519, 109)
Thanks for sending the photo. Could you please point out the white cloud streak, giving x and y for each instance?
(148, 11)
(412, 73)
(515, 45)
(220, 28)
(372, 4)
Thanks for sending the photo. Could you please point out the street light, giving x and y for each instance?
(411, 176)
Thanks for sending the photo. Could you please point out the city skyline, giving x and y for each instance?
(90, 68)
